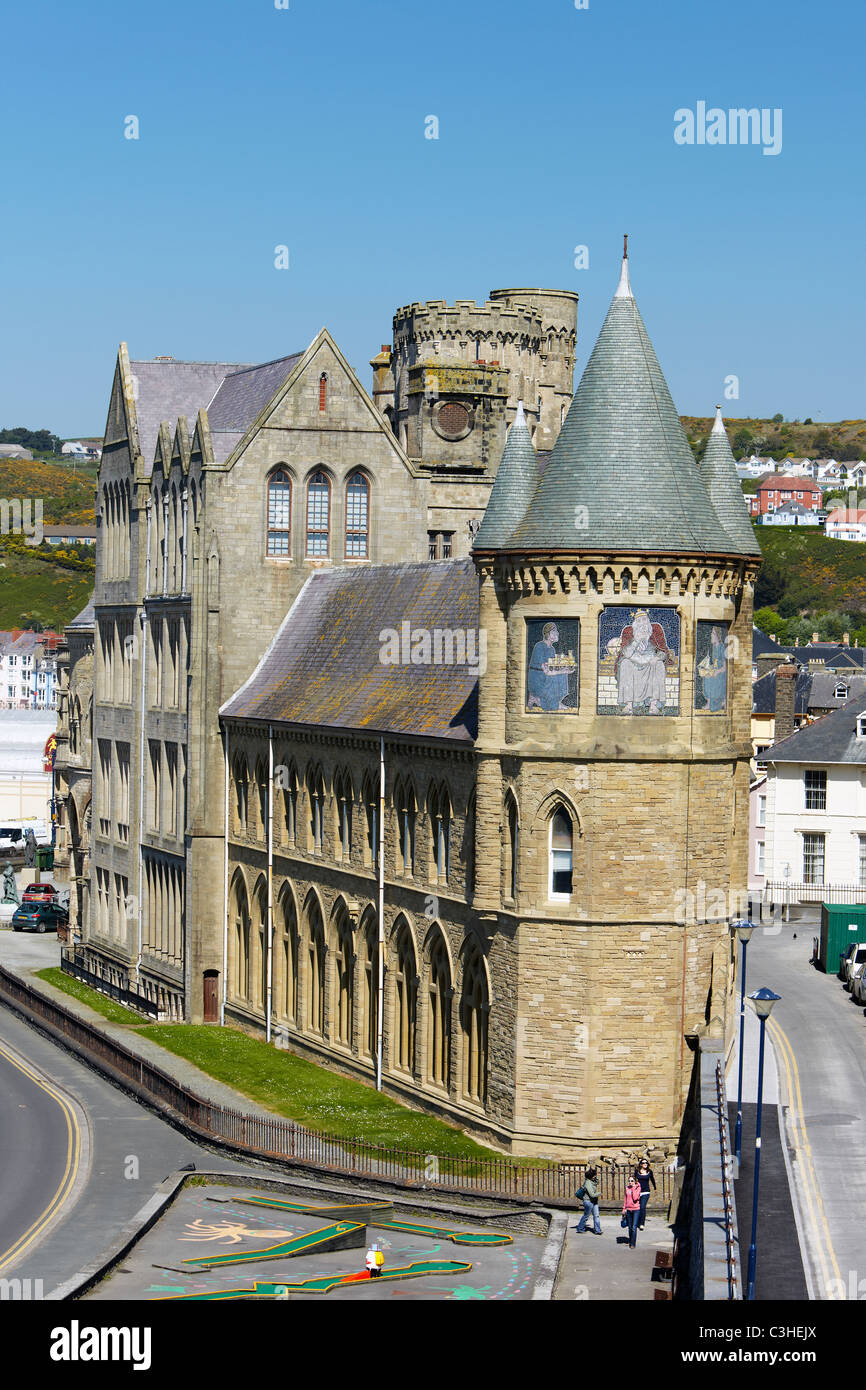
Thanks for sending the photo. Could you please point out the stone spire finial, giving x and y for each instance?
(718, 423)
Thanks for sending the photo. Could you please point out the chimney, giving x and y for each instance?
(786, 687)
(846, 639)
(796, 641)
(814, 636)
(767, 661)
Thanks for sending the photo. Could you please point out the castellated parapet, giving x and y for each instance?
(527, 335)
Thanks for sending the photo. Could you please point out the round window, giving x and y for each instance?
(452, 419)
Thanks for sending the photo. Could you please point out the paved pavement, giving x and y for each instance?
(603, 1267)
(819, 1046)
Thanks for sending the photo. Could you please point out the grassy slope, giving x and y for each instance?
(312, 1095)
(114, 1013)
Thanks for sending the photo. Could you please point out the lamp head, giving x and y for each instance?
(763, 1001)
(744, 928)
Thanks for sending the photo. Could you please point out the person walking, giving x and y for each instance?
(645, 1176)
(631, 1211)
(589, 1192)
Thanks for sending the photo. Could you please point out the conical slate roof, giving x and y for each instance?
(515, 482)
(621, 475)
(719, 472)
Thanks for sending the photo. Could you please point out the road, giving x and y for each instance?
(79, 1159)
(819, 1043)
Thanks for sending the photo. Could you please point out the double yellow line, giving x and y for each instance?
(813, 1206)
(73, 1157)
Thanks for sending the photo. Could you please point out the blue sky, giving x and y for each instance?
(306, 127)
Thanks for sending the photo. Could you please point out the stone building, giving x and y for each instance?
(451, 821)
(73, 765)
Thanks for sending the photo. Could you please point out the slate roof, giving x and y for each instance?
(243, 394)
(324, 666)
(87, 616)
(516, 480)
(622, 453)
(762, 643)
(719, 472)
(824, 683)
(832, 739)
(764, 693)
(165, 390)
(834, 655)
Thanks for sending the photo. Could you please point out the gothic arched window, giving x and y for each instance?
(280, 514)
(473, 1022)
(561, 855)
(439, 1016)
(357, 517)
(318, 514)
(406, 990)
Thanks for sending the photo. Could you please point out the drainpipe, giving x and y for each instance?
(381, 988)
(225, 879)
(270, 931)
(165, 545)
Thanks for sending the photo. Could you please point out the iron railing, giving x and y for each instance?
(267, 1136)
(786, 893)
(130, 997)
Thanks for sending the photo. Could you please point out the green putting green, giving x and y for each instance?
(344, 1235)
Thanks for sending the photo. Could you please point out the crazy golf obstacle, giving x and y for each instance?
(381, 1216)
(326, 1282)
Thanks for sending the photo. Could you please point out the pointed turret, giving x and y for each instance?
(513, 487)
(622, 475)
(719, 472)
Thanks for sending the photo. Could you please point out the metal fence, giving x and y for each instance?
(266, 1136)
(70, 966)
(785, 893)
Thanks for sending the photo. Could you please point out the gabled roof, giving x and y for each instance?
(516, 480)
(832, 739)
(762, 643)
(622, 454)
(87, 616)
(719, 472)
(825, 683)
(165, 390)
(325, 666)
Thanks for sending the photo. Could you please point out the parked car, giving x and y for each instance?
(854, 965)
(39, 893)
(858, 987)
(39, 917)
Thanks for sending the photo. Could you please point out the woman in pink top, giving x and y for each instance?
(631, 1211)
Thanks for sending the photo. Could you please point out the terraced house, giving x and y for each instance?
(438, 816)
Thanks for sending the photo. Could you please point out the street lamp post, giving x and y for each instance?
(744, 930)
(763, 1000)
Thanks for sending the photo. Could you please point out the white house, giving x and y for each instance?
(790, 514)
(816, 809)
(847, 524)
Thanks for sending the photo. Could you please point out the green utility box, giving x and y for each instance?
(841, 926)
(45, 857)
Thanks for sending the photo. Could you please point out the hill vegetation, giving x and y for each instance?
(842, 440)
(810, 583)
